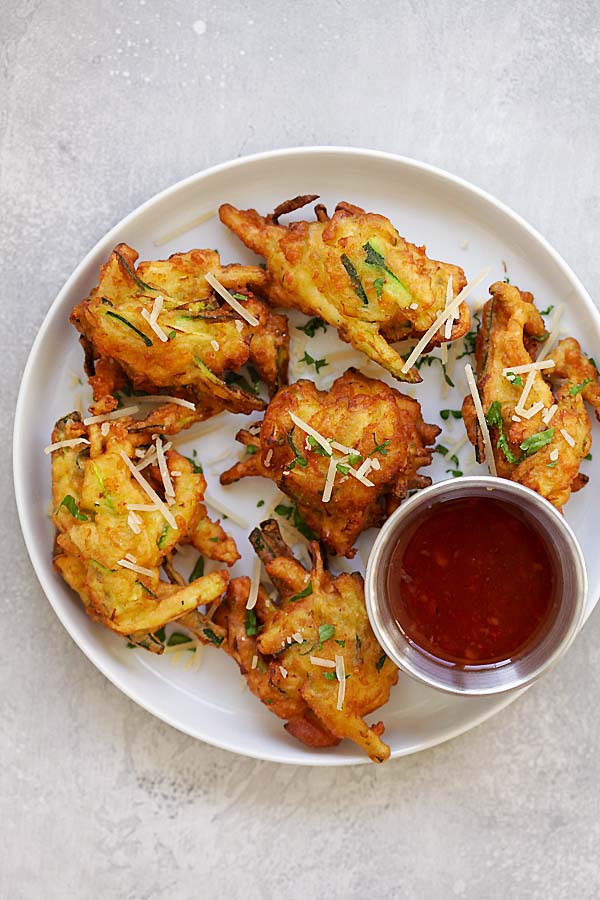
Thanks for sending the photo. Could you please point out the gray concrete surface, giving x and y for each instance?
(103, 104)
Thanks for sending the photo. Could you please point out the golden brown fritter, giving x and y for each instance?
(357, 273)
(510, 335)
(364, 415)
(92, 487)
(275, 644)
(208, 342)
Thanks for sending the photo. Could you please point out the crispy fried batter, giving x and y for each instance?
(208, 342)
(94, 534)
(277, 666)
(356, 272)
(359, 413)
(510, 335)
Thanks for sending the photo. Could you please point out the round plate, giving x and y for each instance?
(459, 224)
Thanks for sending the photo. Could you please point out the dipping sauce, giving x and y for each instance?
(472, 583)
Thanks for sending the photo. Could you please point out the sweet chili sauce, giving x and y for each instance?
(472, 582)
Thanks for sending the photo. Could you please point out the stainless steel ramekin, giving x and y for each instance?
(491, 679)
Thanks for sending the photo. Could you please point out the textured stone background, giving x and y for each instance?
(102, 105)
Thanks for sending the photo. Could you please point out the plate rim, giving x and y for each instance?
(89, 649)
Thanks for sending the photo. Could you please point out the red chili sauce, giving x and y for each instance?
(472, 582)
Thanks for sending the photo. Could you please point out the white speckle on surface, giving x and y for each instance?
(199, 26)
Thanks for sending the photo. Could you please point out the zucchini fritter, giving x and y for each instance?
(356, 272)
(533, 451)
(206, 344)
(92, 488)
(364, 415)
(275, 644)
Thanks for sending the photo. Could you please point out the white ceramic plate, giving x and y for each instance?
(458, 223)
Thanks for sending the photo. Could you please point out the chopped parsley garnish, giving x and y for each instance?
(380, 662)
(125, 321)
(441, 449)
(260, 503)
(212, 637)
(534, 443)
(341, 643)
(494, 420)
(312, 326)
(298, 457)
(470, 340)
(241, 297)
(69, 503)
(315, 445)
(342, 469)
(355, 280)
(308, 360)
(251, 623)
(514, 379)
(588, 457)
(301, 594)
(291, 512)
(178, 638)
(456, 473)
(573, 391)
(285, 511)
(551, 465)
(541, 338)
(172, 335)
(251, 449)
(325, 633)
(446, 413)
(198, 570)
(547, 311)
(379, 448)
(354, 458)
(195, 462)
(330, 676)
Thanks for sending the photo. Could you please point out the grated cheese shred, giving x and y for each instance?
(161, 335)
(166, 398)
(72, 442)
(341, 677)
(254, 584)
(171, 235)
(109, 417)
(135, 568)
(481, 418)
(304, 426)
(319, 661)
(567, 437)
(162, 507)
(228, 298)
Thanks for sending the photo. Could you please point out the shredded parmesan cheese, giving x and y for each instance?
(156, 308)
(166, 238)
(554, 335)
(164, 473)
(341, 677)
(108, 417)
(254, 584)
(315, 434)
(360, 477)
(337, 446)
(450, 321)
(284, 672)
(548, 415)
(529, 367)
(325, 663)
(72, 442)
(215, 345)
(239, 325)
(162, 507)
(532, 411)
(166, 398)
(297, 637)
(567, 437)
(554, 455)
(329, 480)
(364, 468)
(254, 662)
(225, 511)
(134, 522)
(155, 326)
(449, 310)
(104, 428)
(228, 298)
(135, 568)
(415, 305)
(142, 507)
(268, 458)
(516, 418)
(130, 557)
(520, 406)
(481, 418)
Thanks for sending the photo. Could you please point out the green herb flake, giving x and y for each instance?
(341, 643)
(330, 676)
(299, 459)
(301, 594)
(212, 637)
(198, 570)
(428, 360)
(236, 380)
(315, 445)
(172, 335)
(446, 413)
(534, 443)
(285, 511)
(241, 297)
(342, 469)
(354, 279)
(251, 449)
(493, 417)
(577, 388)
(354, 459)
(308, 360)
(379, 448)
(69, 503)
(195, 462)
(588, 457)
(312, 326)
(441, 449)
(260, 503)
(515, 379)
(325, 633)
(380, 662)
(547, 311)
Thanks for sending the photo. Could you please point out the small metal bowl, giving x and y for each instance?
(492, 678)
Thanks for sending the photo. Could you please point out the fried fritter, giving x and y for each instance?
(356, 272)
(92, 488)
(374, 422)
(208, 342)
(532, 451)
(275, 645)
